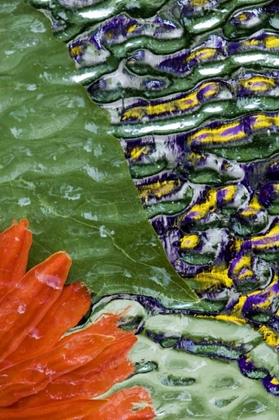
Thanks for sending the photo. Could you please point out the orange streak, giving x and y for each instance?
(15, 243)
(95, 378)
(127, 404)
(68, 410)
(23, 307)
(33, 375)
(65, 313)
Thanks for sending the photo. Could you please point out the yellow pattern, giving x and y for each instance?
(229, 192)
(263, 121)
(189, 241)
(253, 207)
(216, 277)
(184, 103)
(243, 266)
(199, 211)
(258, 83)
(201, 54)
(226, 318)
(276, 187)
(75, 51)
(253, 42)
(218, 135)
(272, 41)
(243, 17)
(267, 241)
(158, 189)
(138, 151)
(199, 3)
(237, 309)
(132, 28)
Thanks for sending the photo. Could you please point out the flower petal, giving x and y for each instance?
(33, 375)
(108, 323)
(93, 379)
(15, 243)
(65, 313)
(23, 307)
(69, 410)
(128, 404)
(96, 378)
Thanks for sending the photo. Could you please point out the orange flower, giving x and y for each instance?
(44, 373)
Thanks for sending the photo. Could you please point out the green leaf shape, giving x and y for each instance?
(62, 170)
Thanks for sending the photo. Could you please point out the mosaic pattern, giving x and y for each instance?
(192, 90)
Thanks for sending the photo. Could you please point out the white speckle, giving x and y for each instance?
(16, 239)
(81, 77)
(206, 24)
(242, 59)
(52, 281)
(94, 173)
(70, 193)
(211, 71)
(9, 52)
(21, 309)
(103, 231)
(90, 216)
(41, 166)
(98, 150)
(91, 127)
(96, 13)
(31, 87)
(88, 146)
(35, 333)
(76, 102)
(24, 201)
(47, 76)
(40, 368)
(274, 22)
(72, 197)
(213, 109)
(127, 274)
(16, 132)
(80, 102)
(62, 15)
(37, 27)
(50, 372)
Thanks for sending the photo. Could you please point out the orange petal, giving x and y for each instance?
(15, 243)
(127, 404)
(107, 323)
(33, 375)
(93, 379)
(96, 378)
(65, 313)
(65, 410)
(23, 307)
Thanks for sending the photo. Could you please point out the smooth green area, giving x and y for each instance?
(61, 170)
